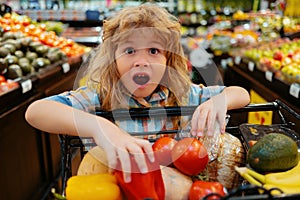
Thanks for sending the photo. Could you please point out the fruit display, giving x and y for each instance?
(291, 25)
(225, 41)
(281, 56)
(264, 40)
(27, 49)
(7, 85)
(21, 23)
(231, 34)
(24, 56)
(240, 15)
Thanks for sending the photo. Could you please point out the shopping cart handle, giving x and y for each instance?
(269, 106)
(147, 112)
(169, 111)
(174, 111)
(285, 107)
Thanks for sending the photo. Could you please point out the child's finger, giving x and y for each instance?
(198, 123)
(141, 162)
(194, 123)
(222, 122)
(145, 144)
(139, 157)
(125, 165)
(112, 159)
(211, 117)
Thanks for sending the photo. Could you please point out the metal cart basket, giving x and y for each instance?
(280, 112)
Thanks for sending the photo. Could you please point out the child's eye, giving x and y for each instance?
(153, 51)
(129, 50)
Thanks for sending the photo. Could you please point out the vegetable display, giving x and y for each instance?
(22, 24)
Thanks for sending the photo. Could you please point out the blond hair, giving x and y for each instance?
(103, 70)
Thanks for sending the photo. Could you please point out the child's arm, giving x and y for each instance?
(214, 110)
(55, 117)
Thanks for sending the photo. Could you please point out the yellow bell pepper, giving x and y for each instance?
(93, 187)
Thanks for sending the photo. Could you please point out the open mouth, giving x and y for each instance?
(141, 79)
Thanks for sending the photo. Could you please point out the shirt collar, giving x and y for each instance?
(160, 94)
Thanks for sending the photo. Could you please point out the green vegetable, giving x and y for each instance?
(273, 153)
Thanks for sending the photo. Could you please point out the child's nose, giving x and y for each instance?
(141, 60)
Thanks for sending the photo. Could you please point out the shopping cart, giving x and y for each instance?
(280, 112)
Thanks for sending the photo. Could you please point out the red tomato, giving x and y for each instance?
(200, 189)
(162, 148)
(2, 79)
(189, 156)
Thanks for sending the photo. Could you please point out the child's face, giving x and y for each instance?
(141, 62)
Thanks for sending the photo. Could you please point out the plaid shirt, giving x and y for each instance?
(87, 100)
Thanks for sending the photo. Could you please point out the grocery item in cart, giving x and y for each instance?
(230, 154)
(272, 153)
(176, 184)
(96, 186)
(253, 132)
(210, 142)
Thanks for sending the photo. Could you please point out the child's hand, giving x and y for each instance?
(207, 114)
(119, 145)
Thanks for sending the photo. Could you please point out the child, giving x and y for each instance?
(140, 63)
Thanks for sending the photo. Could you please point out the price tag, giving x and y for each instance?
(66, 67)
(26, 86)
(295, 90)
(224, 63)
(237, 60)
(269, 76)
(251, 66)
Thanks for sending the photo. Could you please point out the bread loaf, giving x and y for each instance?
(93, 162)
(230, 154)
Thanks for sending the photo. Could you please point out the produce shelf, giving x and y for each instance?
(269, 81)
(39, 81)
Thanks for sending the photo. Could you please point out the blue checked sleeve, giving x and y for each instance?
(200, 94)
(82, 99)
